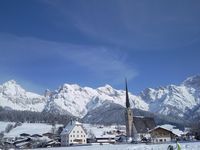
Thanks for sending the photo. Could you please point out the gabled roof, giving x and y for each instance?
(169, 128)
(143, 124)
(70, 126)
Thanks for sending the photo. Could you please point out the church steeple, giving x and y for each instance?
(127, 97)
(130, 127)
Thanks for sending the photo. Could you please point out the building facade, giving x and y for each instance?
(73, 133)
(161, 135)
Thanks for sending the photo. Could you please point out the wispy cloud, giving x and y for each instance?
(137, 25)
(104, 62)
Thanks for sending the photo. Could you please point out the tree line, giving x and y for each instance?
(33, 117)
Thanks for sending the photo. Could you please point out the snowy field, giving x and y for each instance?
(41, 128)
(4, 124)
(29, 128)
(184, 146)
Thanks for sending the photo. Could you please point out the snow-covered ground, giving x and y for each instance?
(99, 131)
(3, 125)
(29, 128)
(41, 128)
(184, 146)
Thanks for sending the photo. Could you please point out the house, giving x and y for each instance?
(73, 133)
(164, 133)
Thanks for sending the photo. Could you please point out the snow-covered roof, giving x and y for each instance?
(70, 126)
(170, 128)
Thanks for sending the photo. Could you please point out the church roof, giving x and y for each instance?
(143, 124)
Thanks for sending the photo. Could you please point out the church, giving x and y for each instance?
(137, 127)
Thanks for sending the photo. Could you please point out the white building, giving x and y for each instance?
(165, 133)
(73, 133)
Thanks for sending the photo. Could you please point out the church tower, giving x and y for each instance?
(128, 116)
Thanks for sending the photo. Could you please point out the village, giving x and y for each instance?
(137, 129)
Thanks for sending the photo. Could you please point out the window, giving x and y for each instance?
(77, 131)
(81, 131)
(70, 135)
(81, 135)
(165, 140)
(73, 135)
(77, 135)
(73, 131)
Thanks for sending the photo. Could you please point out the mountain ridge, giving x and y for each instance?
(180, 100)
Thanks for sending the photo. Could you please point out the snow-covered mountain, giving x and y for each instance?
(13, 96)
(177, 100)
(172, 99)
(80, 100)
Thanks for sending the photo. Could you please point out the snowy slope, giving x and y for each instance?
(80, 100)
(30, 128)
(3, 125)
(13, 96)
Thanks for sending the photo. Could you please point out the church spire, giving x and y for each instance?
(127, 97)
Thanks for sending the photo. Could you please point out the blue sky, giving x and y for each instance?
(45, 43)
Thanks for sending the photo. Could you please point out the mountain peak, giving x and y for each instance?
(10, 82)
(107, 88)
(70, 86)
(13, 96)
(193, 81)
(12, 88)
